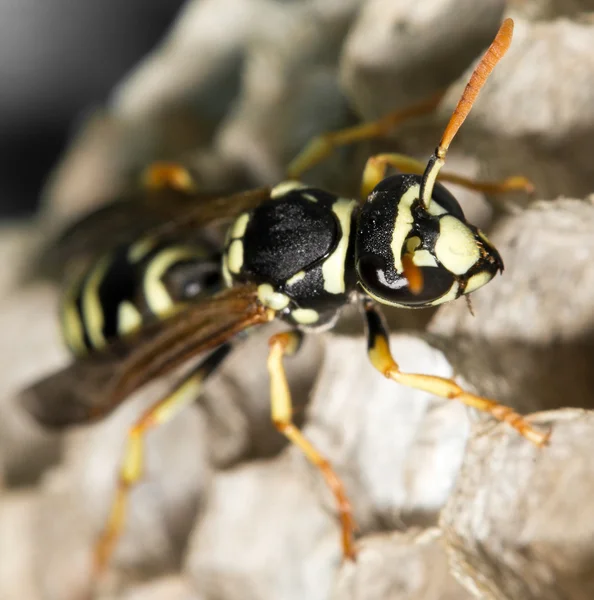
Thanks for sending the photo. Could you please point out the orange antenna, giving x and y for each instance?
(494, 54)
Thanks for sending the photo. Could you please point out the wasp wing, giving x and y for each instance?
(213, 211)
(118, 222)
(156, 213)
(93, 386)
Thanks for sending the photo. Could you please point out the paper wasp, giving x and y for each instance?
(292, 252)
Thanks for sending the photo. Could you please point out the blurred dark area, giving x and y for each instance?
(58, 58)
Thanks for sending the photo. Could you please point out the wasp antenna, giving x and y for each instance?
(494, 54)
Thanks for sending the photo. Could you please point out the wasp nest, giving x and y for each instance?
(449, 503)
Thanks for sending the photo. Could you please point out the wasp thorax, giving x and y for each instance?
(453, 256)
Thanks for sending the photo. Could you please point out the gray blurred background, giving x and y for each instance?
(57, 59)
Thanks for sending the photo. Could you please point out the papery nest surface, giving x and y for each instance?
(449, 504)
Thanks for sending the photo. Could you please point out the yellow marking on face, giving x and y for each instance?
(296, 278)
(272, 299)
(456, 248)
(477, 281)
(138, 250)
(424, 258)
(283, 188)
(235, 256)
(436, 209)
(333, 266)
(451, 294)
(155, 291)
(309, 197)
(129, 318)
(239, 227)
(403, 225)
(305, 316)
(91, 305)
(412, 244)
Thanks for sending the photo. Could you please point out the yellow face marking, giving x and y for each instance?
(309, 197)
(403, 225)
(451, 294)
(141, 248)
(412, 244)
(296, 278)
(239, 227)
(333, 266)
(477, 281)
(424, 258)
(436, 210)
(456, 249)
(305, 316)
(268, 297)
(283, 188)
(91, 305)
(129, 319)
(155, 291)
(235, 256)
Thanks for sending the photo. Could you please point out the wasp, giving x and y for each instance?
(291, 252)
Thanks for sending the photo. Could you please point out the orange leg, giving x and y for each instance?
(131, 469)
(320, 147)
(382, 360)
(161, 175)
(282, 416)
(376, 166)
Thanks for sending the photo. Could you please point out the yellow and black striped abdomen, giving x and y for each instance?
(132, 286)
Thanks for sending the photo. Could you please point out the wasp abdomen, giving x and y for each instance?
(132, 286)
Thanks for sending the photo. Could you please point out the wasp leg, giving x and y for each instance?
(131, 469)
(378, 350)
(282, 416)
(320, 147)
(376, 166)
(159, 175)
